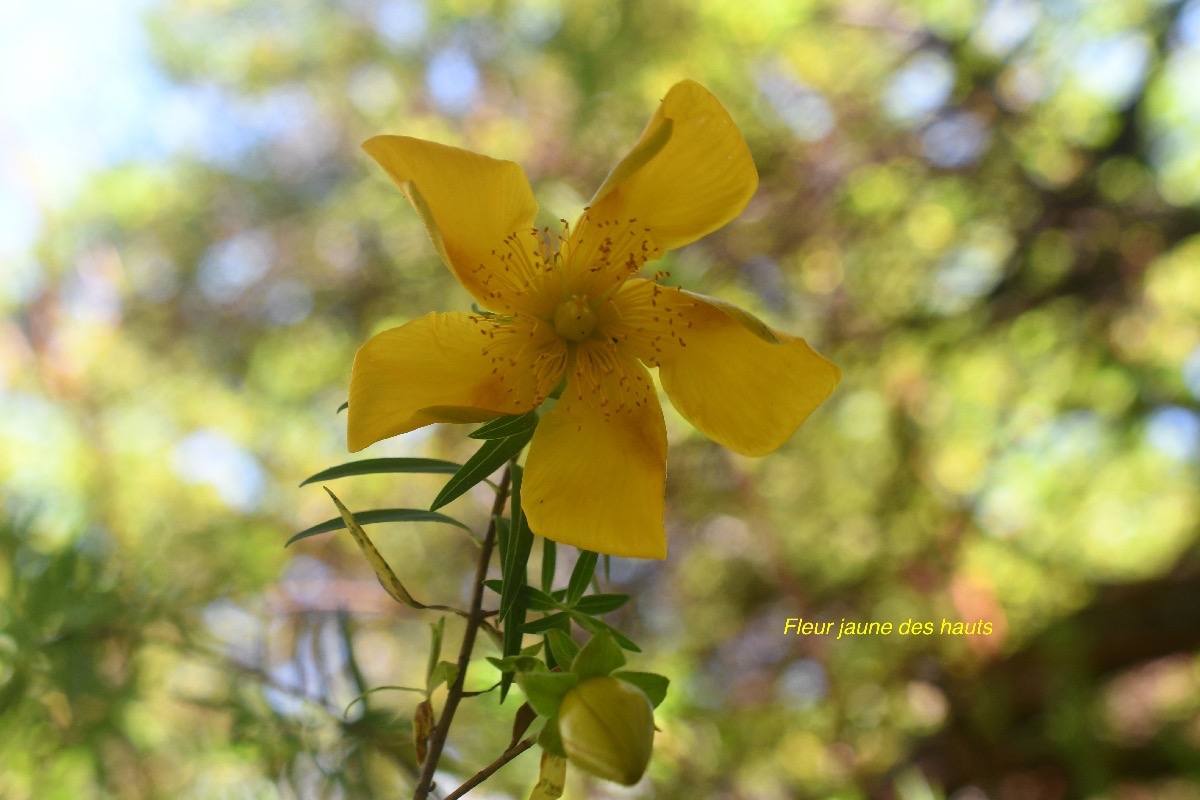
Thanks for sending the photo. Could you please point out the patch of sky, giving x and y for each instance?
(919, 88)
(1113, 68)
(1187, 25)
(956, 140)
(537, 22)
(288, 302)
(75, 86)
(1174, 431)
(453, 80)
(1191, 373)
(1005, 25)
(210, 457)
(964, 275)
(803, 109)
(230, 266)
(402, 23)
(803, 684)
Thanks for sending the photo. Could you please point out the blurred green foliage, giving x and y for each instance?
(986, 213)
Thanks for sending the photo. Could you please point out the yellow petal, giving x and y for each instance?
(740, 382)
(442, 368)
(470, 205)
(689, 174)
(596, 479)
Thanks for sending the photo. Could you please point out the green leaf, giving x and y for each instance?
(376, 516)
(581, 576)
(599, 656)
(521, 663)
(387, 578)
(436, 631)
(444, 672)
(559, 620)
(363, 696)
(600, 603)
(652, 684)
(549, 555)
(487, 459)
(594, 625)
(510, 642)
(506, 426)
(562, 647)
(514, 565)
(538, 600)
(343, 407)
(379, 466)
(545, 690)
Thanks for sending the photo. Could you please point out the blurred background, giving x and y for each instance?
(985, 212)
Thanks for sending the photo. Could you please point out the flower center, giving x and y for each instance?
(574, 319)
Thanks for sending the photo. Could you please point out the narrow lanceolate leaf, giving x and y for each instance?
(375, 516)
(514, 565)
(506, 426)
(593, 604)
(379, 466)
(593, 625)
(559, 620)
(581, 576)
(436, 632)
(553, 778)
(489, 458)
(383, 572)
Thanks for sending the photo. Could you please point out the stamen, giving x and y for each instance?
(604, 378)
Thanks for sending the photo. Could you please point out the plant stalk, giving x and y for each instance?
(475, 618)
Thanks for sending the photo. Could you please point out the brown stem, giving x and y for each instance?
(485, 773)
(437, 739)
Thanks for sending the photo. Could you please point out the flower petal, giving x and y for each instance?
(740, 382)
(440, 368)
(596, 479)
(470, 205)
(689, 174)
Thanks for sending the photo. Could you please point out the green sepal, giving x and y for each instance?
(581, 576)
(504, 427)
(487, 459)
(600, 656)
(380, 466)
(550, 739)
(545, 690)
(375, 516)
(561, 646)
(653, 685)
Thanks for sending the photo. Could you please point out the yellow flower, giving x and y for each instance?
(573, 309)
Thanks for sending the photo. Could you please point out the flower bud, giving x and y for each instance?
(607, 729)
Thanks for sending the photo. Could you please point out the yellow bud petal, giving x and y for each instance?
(607, 729)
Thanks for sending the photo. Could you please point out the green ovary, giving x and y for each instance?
(574, 319)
